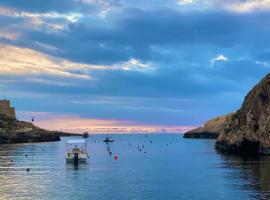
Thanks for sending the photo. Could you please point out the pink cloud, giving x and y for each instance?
(77, 124)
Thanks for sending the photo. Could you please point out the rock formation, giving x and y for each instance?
(210, 130)
(248, 130)
(15, 131)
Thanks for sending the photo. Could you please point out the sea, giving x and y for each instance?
(148, 167)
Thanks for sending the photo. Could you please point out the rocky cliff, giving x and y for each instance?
(248, 130)
(210, 130)
(15, 131)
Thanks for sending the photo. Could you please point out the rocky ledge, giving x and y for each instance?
(210, 130)
(248, 130)
(15, 131)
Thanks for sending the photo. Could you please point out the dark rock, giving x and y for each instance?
(210, 130)
(248, 130)
(201, 135)
(15, 131)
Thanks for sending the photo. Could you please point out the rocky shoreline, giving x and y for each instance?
(198, 134)
(15, 131)
(210, 130)
(248, 129)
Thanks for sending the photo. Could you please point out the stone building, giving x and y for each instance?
(5, 109)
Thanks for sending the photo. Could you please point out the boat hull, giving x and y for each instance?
(72, 158)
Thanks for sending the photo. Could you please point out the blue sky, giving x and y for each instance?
(127, 63)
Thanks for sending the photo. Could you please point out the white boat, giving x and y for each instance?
(76, 151)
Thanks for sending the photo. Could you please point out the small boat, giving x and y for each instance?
(85, 135)
(108, 139)
(76, 151)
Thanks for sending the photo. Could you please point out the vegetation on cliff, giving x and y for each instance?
(210, 130)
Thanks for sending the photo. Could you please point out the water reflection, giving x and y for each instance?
(186, 169)
(80, 166)
(254, 172)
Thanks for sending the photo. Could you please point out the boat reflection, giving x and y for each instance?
(80, 166)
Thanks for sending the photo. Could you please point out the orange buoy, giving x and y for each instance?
(115, 157)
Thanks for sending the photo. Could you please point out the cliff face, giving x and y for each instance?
(210, 130)
(248, 130)
(14, 131)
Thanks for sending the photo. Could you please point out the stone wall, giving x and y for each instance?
(6, 109)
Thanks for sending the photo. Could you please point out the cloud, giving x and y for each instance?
(136, 34)
(218, 58)
(50, 5)
(124, 48)
(76, 124)
(135, 64)
(131, 62)
(8, 35)
(248, 5)
(238, 6)
(184, 2)
(24, 61)
(265, 64)
(50, 20)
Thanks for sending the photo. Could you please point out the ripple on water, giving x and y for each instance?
(173, 168)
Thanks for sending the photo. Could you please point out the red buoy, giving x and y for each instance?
(115, 157)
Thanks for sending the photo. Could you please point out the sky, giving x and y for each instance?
(131, 65)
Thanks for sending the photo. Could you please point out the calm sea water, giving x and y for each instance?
(171, 168)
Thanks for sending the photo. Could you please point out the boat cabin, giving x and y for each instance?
(76, 151)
